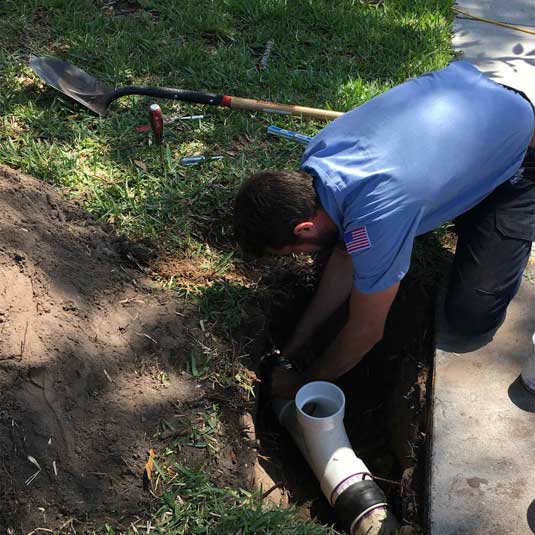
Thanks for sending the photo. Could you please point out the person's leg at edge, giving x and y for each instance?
(493, 248)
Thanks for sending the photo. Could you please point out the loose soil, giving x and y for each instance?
(91, 353)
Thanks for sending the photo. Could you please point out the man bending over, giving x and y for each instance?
(449, 145)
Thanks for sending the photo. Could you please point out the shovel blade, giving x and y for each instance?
(73, 82)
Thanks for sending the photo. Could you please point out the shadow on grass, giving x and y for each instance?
(326, 55)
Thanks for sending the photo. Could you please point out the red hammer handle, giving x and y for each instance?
(156, 122)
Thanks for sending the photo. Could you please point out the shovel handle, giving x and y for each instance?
(199, 97)
(284, 109)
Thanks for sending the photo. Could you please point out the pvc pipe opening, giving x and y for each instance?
(320, 404)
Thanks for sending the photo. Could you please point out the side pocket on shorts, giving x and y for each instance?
(519, 226)
(518, 221)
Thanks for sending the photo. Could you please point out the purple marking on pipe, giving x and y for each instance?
(346, 483)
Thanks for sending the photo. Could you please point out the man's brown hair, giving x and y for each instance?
(269, 205)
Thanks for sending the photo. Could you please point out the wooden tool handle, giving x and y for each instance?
(285, 109)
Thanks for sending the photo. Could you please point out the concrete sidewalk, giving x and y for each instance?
(506, 55)
(482, 466)
(482, 462)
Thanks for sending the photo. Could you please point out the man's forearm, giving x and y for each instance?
(344, 353)
(334, 289)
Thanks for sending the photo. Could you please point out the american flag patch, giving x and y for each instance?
(357, 240)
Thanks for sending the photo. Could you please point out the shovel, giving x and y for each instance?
(96, 96)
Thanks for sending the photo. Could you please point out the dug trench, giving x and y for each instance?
(387, 396)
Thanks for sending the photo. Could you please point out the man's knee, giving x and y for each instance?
(474, 312)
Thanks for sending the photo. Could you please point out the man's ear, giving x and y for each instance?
(305, 226)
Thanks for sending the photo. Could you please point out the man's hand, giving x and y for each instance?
(285, 383)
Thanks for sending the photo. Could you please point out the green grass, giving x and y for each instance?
(333, 54)
(202, 430)
(192, 505)
(326, 54)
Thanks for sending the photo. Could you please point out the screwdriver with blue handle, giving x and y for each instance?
(288, 134)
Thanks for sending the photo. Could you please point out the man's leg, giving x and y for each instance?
(493, 248)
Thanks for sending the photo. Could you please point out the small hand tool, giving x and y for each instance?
(189, 161)
(288, 134)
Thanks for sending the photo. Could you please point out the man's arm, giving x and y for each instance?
(364, 328)
(333, 290)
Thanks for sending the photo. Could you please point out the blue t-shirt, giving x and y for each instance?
(413, 158)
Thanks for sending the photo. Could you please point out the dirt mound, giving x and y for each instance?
(88, 353)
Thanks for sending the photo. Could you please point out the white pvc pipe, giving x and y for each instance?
(331, 456)
(528, 371)
(315, 421)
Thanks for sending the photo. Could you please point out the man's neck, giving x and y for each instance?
(323, 219)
